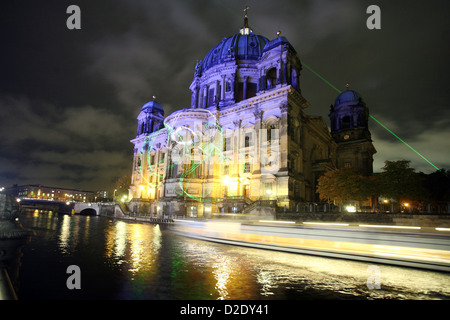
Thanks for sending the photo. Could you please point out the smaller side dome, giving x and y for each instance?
(150, 118)
(152, 107)
(347, 96)
(349, 112)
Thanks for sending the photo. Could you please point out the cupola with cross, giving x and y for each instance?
(350, 129)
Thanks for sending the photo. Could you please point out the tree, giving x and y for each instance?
(343, 186)
(120, 187)
(400, 182)
(437, 185)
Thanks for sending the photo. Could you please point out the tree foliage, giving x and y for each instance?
(398, 181)
(437, 185)
(343, 186)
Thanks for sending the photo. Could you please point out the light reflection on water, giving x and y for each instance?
(124, 260)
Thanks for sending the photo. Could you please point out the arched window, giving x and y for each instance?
(271, 78)
(251, 90)
(269, 131)
(346, 122)
(228, 86)
(211, 97)
(247, 141)
(246, 165)
(240, 92)
(141, 127)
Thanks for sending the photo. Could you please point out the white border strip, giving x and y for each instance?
(393, 227)
(275, 221)
(327, 224)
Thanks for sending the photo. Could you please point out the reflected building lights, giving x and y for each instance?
(157, 237)
(120, 240)
(128, 264)
(265, 279)
(136, 248)
(143, 247)
(86, 229)
(65, 234)
(222, 272)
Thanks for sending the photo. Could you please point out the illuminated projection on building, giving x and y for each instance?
(245, 144)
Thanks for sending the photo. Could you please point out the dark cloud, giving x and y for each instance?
(69, 99)
(72, 145)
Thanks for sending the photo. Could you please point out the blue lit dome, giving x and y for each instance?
(347, 96)
(152, 107)
(241, 46)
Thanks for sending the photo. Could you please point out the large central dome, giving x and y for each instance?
(243, 66)
(241, 46)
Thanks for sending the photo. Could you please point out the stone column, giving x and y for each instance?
(217, 93)
(194, 98)
(285, 72)
(233, 87)
(237, 148)
(284, 136)
(224, 85)
(202, 97)
(279, 71)
(258, 122)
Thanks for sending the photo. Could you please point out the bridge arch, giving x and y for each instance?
(88, 212)
(86, 208)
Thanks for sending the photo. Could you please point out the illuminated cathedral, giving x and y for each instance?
(245, 145)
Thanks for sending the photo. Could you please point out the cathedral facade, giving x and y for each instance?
(245, 144)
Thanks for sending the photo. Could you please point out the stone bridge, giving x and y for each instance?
(91, 209)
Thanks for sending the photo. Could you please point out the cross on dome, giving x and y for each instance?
(246, 29)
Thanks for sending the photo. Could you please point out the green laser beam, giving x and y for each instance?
(406, 144)
(372, 117)
(322, 78)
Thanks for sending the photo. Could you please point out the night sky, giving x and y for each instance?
(69, 98)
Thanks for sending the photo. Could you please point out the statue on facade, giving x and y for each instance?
(198, 68)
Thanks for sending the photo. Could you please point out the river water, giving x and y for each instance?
(128, 260)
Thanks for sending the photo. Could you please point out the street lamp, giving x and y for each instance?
(226, 182)
(141, 187)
